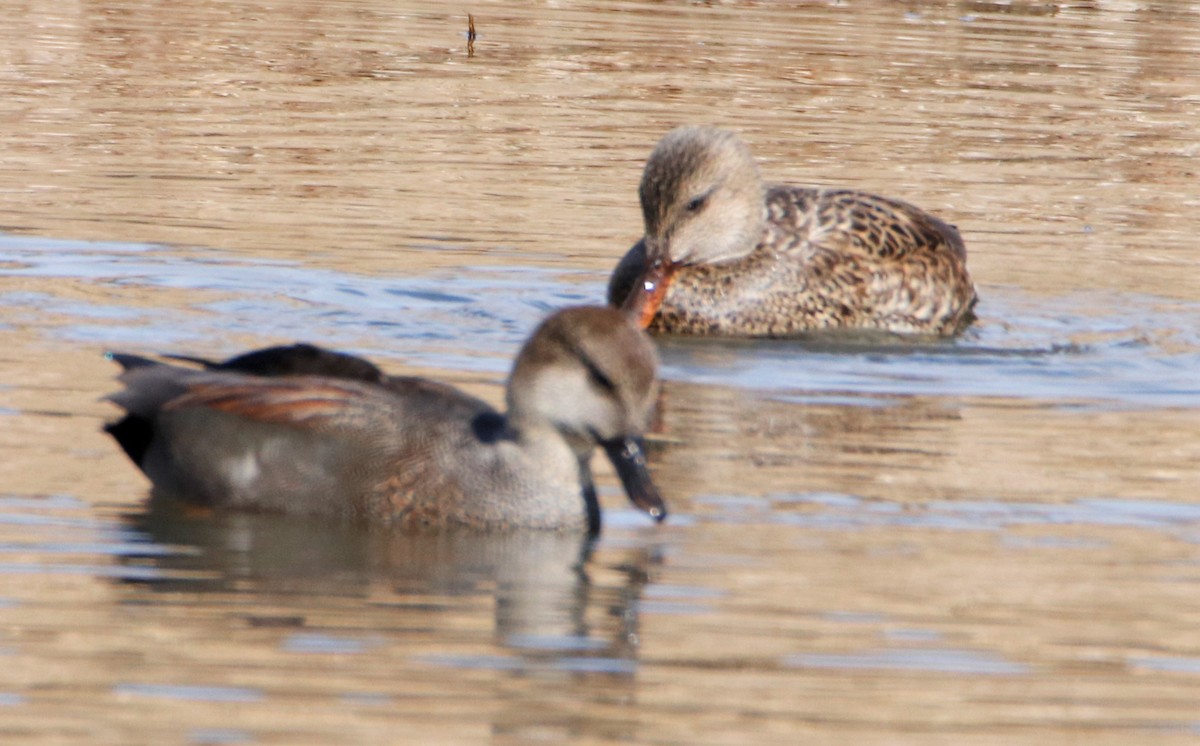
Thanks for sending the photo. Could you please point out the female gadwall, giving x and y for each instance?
(745, 259)
(306, 431)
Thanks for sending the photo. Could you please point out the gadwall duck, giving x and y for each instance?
(308, 431)
(724, 254)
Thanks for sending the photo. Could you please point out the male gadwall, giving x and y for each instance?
(724, 254)
(307, 431)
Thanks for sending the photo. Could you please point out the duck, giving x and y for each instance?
(725, 254)
(307, 431)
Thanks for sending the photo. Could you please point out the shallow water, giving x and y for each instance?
(982, 540)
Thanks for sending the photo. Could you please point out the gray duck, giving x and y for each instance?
(302, 430)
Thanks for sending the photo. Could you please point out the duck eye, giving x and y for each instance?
(598, 377)
(696, 203)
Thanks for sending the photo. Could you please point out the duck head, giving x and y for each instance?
(702, 203)
(590, 374)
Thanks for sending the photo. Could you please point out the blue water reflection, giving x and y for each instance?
(1096, 348)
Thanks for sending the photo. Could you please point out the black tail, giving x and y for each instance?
(129, 362)
(133, 434)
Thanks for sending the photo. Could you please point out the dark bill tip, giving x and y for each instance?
(629, 460)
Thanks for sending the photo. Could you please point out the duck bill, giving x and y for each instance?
(649, 292)
(629, 460)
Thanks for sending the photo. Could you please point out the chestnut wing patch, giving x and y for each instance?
(297, 402)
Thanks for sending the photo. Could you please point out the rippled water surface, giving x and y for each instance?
(993, 539)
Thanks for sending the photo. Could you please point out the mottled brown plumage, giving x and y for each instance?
(745, 259)
(301, 430)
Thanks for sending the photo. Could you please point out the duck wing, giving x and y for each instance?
(300, 359)
(296, 444)
(845, 221)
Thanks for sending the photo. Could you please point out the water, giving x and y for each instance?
(982, 540)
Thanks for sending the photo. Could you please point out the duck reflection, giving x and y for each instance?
(545, 606)
(539, 579)
(556, 614)
(717, 440)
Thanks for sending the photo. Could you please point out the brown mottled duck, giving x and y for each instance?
(726, 255)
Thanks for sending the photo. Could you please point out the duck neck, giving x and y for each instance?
(754, 231)
(590, 501)
(549, 444)
(535, 431)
